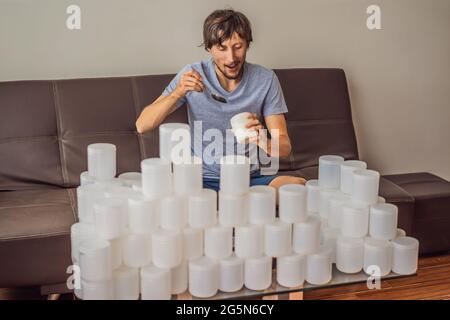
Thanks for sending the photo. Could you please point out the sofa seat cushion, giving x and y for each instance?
(35, 236)
(432, 209)
(309, 172)
(394, 194)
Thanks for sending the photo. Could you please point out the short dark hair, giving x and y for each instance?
(221, 24)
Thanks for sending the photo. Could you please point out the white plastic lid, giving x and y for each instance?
(405, 243)
(238, 116)
(259, 261)
(97, 284)
(109, 203)
(89, 189)
(401, 233)
(366, 173)
(354, 164)
(100, 147)
(312, 184)
(125, 272)
(329, 192)
(204, 194)
(339, 197)
(232, 260)
(173, 125)
(162, 236)
(248, 228)
(376, 243)
(115, 190)
(192, 231)
(219, 229)
(234, 159)
(152, 162)
(139, 200)
(81, 228)
(130, 175)
(292, 188)
(231, 196)
(262, 190)
(202, 264)
(173, 198)
(356, 206)
(188, 161)
(292, 258)
(278, 226)
(350, 242)
(93, 244)
(383, 208)
(330, 159)
(151, 271)
(323, 253)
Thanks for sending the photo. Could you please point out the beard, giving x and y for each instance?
(223, 70)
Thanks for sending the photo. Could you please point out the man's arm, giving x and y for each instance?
(273, 111)
(154, 114)
(276, 125)
(278, 122)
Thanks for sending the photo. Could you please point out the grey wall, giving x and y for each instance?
(398, 76)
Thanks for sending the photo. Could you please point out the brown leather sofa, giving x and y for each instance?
(45, 127)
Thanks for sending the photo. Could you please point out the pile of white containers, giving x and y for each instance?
(358, 227)
(157, 233)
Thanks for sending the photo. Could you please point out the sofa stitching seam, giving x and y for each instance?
(35, 205)
(58, 128)
(319, 121)
(27, 138)
(48, 137)
(72, 204)
(105, 133)
(34, 236)
(418, 182)
(136, 105)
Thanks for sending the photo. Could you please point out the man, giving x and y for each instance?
(222, 86)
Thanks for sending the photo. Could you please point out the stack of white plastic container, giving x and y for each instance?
(358, 227)
(157, 233)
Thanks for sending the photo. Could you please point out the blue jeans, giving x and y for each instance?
(256, 179)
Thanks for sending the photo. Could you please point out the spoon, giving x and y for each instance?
(216, 96)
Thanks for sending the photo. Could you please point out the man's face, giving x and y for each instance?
(229, 56)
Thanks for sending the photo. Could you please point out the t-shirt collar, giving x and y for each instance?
(216, 81)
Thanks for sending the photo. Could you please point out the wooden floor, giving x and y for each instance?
(431, 282)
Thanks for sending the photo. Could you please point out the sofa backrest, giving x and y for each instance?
(46, 126)
(319, 120)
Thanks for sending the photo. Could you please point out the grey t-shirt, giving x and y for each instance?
(259, 91)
